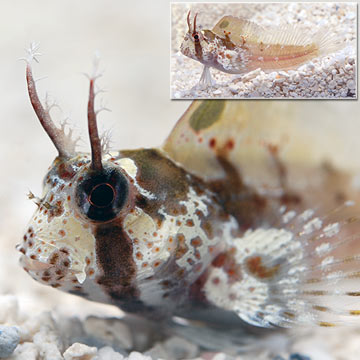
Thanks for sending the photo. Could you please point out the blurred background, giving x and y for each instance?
(133, 39)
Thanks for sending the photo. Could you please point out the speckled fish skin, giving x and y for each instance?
(142, 259)
(238, 46)
(218, 225)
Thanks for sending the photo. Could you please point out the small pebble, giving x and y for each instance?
(179, 348)
(9, 339)
(79, 351)
(112, 332)
(107, 353)
(138, 356)
(298, 357)
(351, 84)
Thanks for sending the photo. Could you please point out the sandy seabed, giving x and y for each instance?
(330, 76)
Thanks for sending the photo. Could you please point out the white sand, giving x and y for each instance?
(330, 76)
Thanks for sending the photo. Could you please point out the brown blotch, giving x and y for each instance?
(289, 314)
(62, 233)
(181, 249)
(212, 143)
(114, 251)
(256, 268)
(54, 258)
(326, 324)
(320, 308)
(238, 199)
(196, 242)
(65, 251)
(190, 223)
(227, 261)
(208, 229)
(65, 171)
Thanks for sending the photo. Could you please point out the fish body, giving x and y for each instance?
(226, 222)
(238, 46)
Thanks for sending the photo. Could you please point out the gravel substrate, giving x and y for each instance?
(52, 336)
(330, 76)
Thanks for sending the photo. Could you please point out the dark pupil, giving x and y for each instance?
(196, 37)
(102, 195)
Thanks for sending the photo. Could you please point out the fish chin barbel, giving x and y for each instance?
(219, 220)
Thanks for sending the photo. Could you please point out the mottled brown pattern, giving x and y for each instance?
(161, 177)
(236, 198)
(114, 257)
(256, 267)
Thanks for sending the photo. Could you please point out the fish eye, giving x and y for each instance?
(196, 36)
(101, 195)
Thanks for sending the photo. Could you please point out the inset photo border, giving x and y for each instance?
(291, 50)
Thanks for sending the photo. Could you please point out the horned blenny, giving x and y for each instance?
(238, 46)
(230, 218)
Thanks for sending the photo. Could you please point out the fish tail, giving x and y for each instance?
(328, 42)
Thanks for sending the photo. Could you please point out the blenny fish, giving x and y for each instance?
(231, 220)
(238, 46)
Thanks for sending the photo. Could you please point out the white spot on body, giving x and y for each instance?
(288, 216)
(331, 230)
(322, 249)
(306, 215)
(312, 225)
(327, 261)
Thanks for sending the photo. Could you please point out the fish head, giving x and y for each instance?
(84, 236)
(59, 246)
(197, 43)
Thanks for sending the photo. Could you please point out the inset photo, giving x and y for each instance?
(291, 50)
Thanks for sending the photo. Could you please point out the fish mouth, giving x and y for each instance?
(33, 265)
